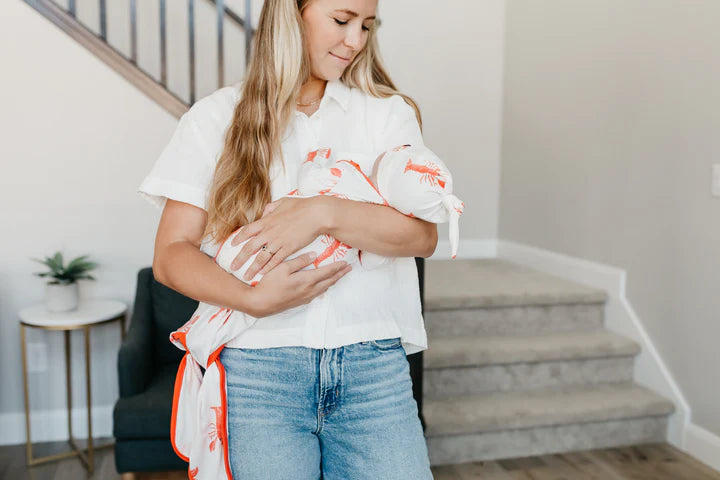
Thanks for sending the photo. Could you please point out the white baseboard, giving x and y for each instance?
(51, 425)
(703, 445)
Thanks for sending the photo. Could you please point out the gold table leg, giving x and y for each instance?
(90, 454)
(68, 383)
(86, 459)
(27, 397)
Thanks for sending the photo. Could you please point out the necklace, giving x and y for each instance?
(309, 104)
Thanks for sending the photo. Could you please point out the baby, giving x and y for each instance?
(413, 180)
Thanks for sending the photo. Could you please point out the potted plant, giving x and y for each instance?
(61, 294)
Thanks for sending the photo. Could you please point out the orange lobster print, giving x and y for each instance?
(188, 325)
(335, 249)
(323, 152)
(216, 428)
(220, 312)
(430, 172)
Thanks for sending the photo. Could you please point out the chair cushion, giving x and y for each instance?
(171, 310)
(147, 414)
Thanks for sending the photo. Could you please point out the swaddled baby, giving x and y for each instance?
(413, 180)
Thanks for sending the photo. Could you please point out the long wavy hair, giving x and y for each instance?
(279, 66)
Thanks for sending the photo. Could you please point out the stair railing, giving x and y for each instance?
(67, 20)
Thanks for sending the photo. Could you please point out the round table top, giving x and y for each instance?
(89, 312)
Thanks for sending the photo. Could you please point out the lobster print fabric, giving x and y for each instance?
(410, 179)
(413, 180)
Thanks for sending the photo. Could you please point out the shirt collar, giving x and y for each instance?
(338, 91)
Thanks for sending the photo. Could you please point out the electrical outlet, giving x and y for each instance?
(37, 357)
(716, 180)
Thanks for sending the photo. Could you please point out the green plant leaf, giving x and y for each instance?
(77, 261)
(55, 263)
(78, 268)
(44, 262)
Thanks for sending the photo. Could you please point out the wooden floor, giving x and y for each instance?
(646, 462)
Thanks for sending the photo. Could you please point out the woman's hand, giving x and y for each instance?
(289, 286)
(287, 225)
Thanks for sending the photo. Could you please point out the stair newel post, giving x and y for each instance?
(191, 47)
(220, 4)
(163, 45)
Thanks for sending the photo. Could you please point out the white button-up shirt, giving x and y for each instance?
(364, 304)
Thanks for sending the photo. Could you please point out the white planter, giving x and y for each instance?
(61, 298)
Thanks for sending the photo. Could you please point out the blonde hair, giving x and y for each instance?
(280, 65)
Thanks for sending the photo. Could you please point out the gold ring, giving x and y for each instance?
(264, 247)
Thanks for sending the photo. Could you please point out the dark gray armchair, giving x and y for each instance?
(147, 365)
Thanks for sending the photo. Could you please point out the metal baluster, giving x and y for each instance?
(71, 8)
(163, 45)
(191, 36)
(248, 32)
(220, 4)
(133, 31)
(103, 20)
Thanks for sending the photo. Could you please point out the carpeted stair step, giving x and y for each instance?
(497, 297)
(480, 283)
(513, 424)
(466, 365)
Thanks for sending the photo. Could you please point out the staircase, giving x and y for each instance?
(519, 364)
(153, 43)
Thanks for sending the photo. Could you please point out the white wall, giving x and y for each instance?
(450, 61)
(611, 121)
(78, 139)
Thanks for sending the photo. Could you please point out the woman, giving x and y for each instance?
(324, 393)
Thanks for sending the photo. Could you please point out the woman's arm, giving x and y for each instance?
(179, 264)
(207, 282)
(377, 228)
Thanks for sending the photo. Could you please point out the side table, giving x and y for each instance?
(88, 314)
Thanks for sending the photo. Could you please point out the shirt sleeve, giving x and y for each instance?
(401, 127)
(184, 170)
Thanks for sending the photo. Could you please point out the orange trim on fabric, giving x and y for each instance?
(214, 356)
(357, 167)
(223, 403)
(176, 401)
(180, 337)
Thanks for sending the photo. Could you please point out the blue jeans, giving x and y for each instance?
(343, 413)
